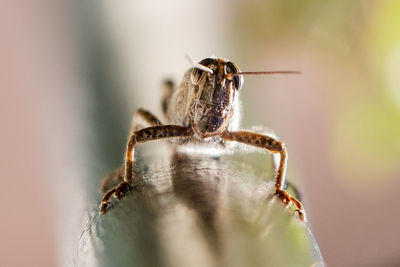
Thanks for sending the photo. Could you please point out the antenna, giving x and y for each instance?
(230, 75)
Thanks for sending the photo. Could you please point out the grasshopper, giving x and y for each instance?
(204, 108)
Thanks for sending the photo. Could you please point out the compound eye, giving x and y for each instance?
(209, 63)
(196, 75)
(229, 69)
(237, 80)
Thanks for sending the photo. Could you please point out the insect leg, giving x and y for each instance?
(145, 116)
(141, 136)
(274, 146)
(168, 89)
(140, 115)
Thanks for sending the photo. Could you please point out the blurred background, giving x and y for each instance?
(73, 72)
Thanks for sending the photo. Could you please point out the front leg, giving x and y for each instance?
(273, 146)
(140, 115)
(141, 136)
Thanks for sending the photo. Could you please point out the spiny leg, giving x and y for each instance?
(146, 116)
(273, 146)
(141, 136)
(140, 115)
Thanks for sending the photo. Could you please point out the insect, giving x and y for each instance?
(203, 108)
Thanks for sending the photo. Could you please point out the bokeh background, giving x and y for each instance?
(73, 72)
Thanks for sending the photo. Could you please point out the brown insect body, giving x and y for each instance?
(203, 108)
(206, 101)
